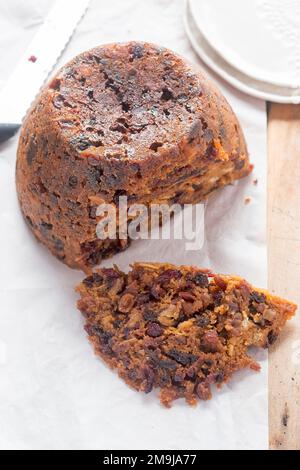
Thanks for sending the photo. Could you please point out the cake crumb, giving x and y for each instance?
(32, 58)
(247, 200)
(255, 182)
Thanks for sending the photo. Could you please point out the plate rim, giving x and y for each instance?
(205, 51)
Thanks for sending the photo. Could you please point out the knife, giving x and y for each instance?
(37, 62)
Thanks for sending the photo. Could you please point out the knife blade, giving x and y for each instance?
(37, 62)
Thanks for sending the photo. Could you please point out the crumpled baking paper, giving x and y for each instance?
(54, 392)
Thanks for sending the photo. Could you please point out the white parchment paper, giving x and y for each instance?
(54, 393)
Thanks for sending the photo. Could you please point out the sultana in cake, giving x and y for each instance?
(179, 329)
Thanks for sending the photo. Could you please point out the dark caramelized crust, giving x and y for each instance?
(122, 119)
(180, 329)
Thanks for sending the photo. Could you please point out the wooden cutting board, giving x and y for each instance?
(284, 271)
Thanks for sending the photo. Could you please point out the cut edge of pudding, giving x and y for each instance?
(180, 329)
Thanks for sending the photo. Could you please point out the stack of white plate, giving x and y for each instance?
(253, 44)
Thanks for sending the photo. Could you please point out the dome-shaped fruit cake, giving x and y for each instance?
(128, 119)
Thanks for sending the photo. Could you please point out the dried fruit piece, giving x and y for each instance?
(194, 335)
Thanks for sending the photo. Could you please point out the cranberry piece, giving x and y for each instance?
(258, 297)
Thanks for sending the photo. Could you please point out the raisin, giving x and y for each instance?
(258, 297)
(154, 330)
(201, 280)
(94, 280)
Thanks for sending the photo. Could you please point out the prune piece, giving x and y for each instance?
(149, 315)
(258, 297)
(218, 297)
(110, 273)
(220, 283)
(201, 280)
(195, 131)
(80, 142)
(45, 227)
(157, 291)
(219, 377)
(239, 164)
(203, 320)
(90, 93)
(149, 378)
(168, 275)
(55, 83)
(211, 151)
(29, 221)
(94, 280)
(187, 296)
(137, 51)
(203, 391)
(155, 145)
(143, 299)
(58, 244)
(105, 336)
(154, 330)
(272, 337)
(166, 95)
(210, 342)
(93, 212)
(164, 364)
(179, 376)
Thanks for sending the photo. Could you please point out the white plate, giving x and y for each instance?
(254, 45)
